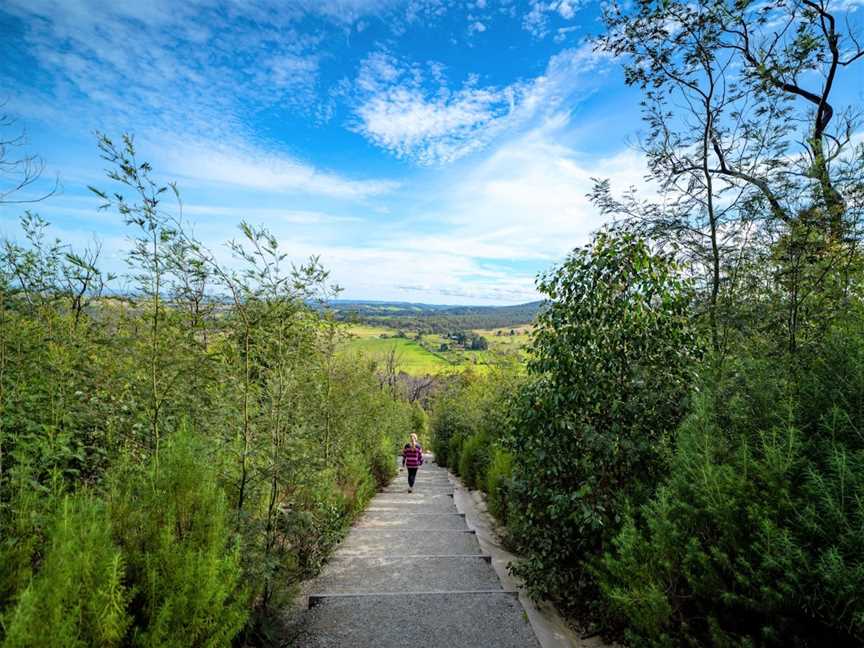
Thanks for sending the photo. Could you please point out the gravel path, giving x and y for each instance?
(411, 573)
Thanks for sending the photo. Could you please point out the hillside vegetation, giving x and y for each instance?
(429, 318)
(169, 473)
(683, 462)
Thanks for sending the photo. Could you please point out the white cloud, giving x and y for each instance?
(264, 215)
(410, 111)
(536, 20)
(397, 111)
(243, 166)
(494, 223)
(192, 67)
(438, 277)
(528, 200)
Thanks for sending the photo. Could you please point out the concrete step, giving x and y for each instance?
(353, 575)
(390, 520)
(402, 487)
(408, 542)
(415, 502)
(419, 620)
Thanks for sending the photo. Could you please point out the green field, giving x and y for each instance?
(505, 342)
(423, 357)
(410, 357)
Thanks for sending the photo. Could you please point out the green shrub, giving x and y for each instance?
(611, 367)
(296, 433)
(315, 521)
(420, 424)
(474, 458)
(384, 467)
(172, 523)
(454, 451)
(79, 596)
(757, 536)
(498, 483)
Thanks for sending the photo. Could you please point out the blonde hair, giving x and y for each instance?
(413, 440)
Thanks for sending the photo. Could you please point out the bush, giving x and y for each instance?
(79, 596)
(757, 536)
(454, 416)
(471, 418)
(171, 521)
(420, 424)
(498, 483)
(454, 451)
(294, 432)
(611, 367)
(474, 460)
(315, 522)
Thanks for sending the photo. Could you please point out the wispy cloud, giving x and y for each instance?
(245, 102)
(265, 215)
(409, 109)
(527, 200)
(243, 166)
(537, 19)
(192, 67)
(405, 109)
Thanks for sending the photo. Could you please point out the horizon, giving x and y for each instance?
(429, 152)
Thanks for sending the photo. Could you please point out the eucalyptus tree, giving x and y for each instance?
(19, 170)
(746, 140)
(150, 259)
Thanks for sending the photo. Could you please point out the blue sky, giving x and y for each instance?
(428, 150)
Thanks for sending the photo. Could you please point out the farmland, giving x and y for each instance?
(419, 354)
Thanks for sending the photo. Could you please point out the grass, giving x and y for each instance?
(411, 357)
(422, 357)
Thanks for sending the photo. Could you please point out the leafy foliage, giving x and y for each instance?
(472, 418)
(756, 535)
(80, 595)
(172, 465)
(612, 362)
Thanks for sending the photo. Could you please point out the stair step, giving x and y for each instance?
(419, 488)
(413, 503)
(391, 520)
(358, 575)
(420, 620)
(402, 542)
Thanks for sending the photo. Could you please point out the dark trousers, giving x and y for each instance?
(412, 475)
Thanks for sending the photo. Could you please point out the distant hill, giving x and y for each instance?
(435, 317)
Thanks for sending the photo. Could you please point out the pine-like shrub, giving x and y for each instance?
(757, 536)
(171, 520)
(79, 595)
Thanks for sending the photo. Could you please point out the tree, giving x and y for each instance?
(19, 172)
(611, 366)
(744, 141)
(479, 343)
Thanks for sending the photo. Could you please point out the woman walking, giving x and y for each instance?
(412, 458)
